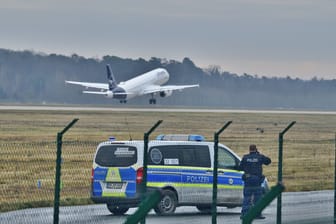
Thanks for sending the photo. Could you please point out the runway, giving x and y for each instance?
(297, 207)
(157, 109)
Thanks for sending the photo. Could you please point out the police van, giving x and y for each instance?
(181, 166)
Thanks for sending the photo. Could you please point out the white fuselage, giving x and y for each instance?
(135, 86)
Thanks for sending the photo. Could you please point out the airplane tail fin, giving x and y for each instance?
(110, 77)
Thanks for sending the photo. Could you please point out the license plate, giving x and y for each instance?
(113, 185)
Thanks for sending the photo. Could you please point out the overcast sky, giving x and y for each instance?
(279, 38)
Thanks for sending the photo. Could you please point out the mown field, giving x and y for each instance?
(28, 148)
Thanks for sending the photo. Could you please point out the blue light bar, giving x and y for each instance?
(112, 138)
(180, 137)
(160, 137)
(197, 138)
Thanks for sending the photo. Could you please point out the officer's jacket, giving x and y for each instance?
(252, 163)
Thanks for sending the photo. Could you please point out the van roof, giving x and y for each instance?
(157, 142)
(151, 143)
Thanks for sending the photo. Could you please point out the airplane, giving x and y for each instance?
(147, 83)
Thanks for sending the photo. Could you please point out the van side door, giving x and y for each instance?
(196, 174)
(230, 184)
(186, 168)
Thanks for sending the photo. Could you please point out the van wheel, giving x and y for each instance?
(204, 208)
(168, 203)
(116, 210)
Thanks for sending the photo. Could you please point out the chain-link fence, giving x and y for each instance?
(27, 176)
(308, 165)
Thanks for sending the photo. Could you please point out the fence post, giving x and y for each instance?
(262, 203)
(145, 206)
(145, 158)
(279, 201)
(58, 170)
(215, 174)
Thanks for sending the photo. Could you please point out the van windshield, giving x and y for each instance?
(116, 156)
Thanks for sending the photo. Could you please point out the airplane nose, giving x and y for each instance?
(163, 74)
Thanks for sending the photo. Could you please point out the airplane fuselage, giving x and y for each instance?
(135, 85)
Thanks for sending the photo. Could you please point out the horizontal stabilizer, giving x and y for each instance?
(95, 92)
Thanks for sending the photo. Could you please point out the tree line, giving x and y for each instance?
(30, 77)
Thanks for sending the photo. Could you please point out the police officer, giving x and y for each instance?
(251, 164)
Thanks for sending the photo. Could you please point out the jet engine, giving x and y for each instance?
(109, 94)
(166, 93)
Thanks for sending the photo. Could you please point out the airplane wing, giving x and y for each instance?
(156, 88)
(90, 84)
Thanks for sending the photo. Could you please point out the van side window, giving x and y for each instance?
(179, 155)
(226, 160)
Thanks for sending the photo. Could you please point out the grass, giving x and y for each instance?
(28, 149)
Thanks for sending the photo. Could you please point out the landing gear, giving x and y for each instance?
(152, 100)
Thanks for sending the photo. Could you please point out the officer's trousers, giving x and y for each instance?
(252, 194)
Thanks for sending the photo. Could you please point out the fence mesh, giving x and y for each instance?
(27, 175)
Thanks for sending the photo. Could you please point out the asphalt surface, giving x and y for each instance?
(157, 109)
(303, 207)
